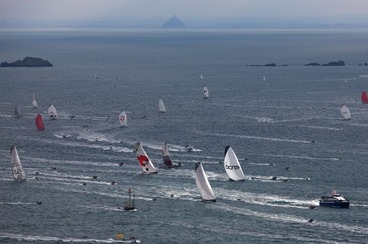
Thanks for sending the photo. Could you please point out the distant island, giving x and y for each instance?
(28, 62)
(173, 22)
(337, 63)
(266, 65)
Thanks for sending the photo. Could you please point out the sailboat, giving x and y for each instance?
(34, 101)
(52, 112)
(17, 113)
(18, 172)
(123, 120)
(201, 77)
(232, 165)
(39, 122)
(168, 164)
(161, 106)
(129, 204)
(364, 97)
(345, 112)
(264, 78)
(206, 93)
(203, 184)
(143, 160)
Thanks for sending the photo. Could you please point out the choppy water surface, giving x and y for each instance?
(291, 118)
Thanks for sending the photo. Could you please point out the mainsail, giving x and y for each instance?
(18, 172)
(34, 102)
(232, 165)
(52, 112)
(206, 93)
(203, 184)
(161, 106)
(345, 112)
(364, 97)
(123, 120)
(143, 160)
(39, 122)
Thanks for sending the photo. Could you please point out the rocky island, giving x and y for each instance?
(28, 62)
(337, 63)
(173, 23)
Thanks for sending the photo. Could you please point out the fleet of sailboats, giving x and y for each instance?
(203, 184)
(143, 160)
(232, 165)
(18, 172)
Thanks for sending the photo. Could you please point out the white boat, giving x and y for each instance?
(34, 101)
(143, 160)
(129, 204)
(52, 112)
(161, 106)
(123, 120)
(206, 93)
(232, 165)
(203, 184)
(168, 164)
(201, 77)
(264, 78)
(18, 172)
(345, 112)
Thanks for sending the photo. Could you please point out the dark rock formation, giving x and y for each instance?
(266, 65)
(173, 22)
(28, 62)
(338, 63)
(312, 64)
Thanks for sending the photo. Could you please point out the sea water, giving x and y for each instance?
(291, 118)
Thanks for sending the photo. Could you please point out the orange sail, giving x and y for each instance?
(39, 122)
(364, 97)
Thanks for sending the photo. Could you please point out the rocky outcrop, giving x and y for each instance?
(337, 63)
(28, 62)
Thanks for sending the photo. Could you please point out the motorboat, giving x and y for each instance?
(334, 201)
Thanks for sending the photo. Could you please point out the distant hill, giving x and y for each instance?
(173, 22)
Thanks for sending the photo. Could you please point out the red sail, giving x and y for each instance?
(364, 97)
(39, 122)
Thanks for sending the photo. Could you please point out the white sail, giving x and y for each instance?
(161, 106)
(143, 160)
(203, 184)
(345, 112)
(34, 101)
(206, 93)
(18, 172)
(201, 77)
(52, 112)
(232, 166)
(123, 120)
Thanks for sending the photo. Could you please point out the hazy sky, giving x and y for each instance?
(184, 9)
